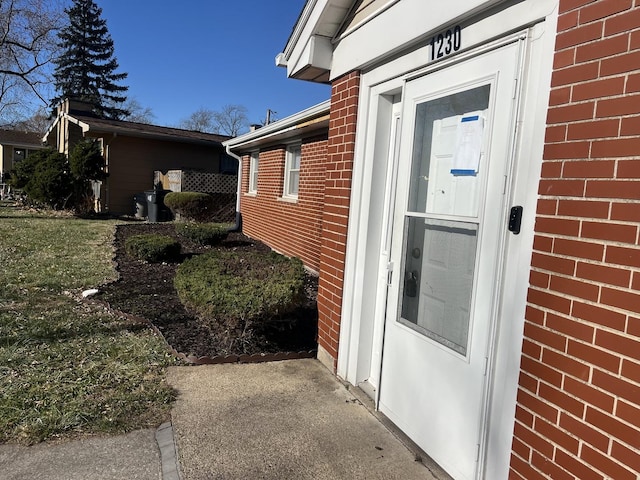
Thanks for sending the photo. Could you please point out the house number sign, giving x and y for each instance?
(446, 43)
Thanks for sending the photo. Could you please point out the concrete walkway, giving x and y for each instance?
(280, 420)
(133, 456)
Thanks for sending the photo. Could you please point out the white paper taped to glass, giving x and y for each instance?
(466, 157)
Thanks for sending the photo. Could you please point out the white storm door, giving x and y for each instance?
(449, 227)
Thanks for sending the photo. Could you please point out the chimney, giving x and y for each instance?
(63, 106)
(254, 126)
(72, 105)
(79, 106)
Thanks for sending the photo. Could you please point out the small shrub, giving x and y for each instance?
(152, 248)
(45, 179)
(86, 165)
(237, 289)
(202, 233)
(190, 205)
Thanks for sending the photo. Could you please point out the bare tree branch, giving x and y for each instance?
(28, 46)
(231, 120)
(138, 113)
(202, 120)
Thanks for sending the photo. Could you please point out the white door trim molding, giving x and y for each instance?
(388, 79)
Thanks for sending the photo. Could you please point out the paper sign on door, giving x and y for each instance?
(466, 158)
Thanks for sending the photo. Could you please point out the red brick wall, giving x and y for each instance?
(293, 229)
(342, 135)
(578, 412)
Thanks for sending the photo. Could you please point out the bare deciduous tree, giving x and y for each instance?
(138, 113)
(202, 120)
(38, 122)
(231, 120)
(28, 45)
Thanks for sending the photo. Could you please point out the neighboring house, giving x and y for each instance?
(479, 261)
(14, 147)
(282, 182)
(134, 151)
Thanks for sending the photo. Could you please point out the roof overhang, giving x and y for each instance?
(333, 37)
(297, 126)
(98, 128)
(21, 144)
(309, 50)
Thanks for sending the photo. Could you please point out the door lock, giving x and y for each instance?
(515, 219)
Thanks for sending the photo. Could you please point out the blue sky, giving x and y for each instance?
(191, 54)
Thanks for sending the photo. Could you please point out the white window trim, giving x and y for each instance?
(288, 170)
(254, 168)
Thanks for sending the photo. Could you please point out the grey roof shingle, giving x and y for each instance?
(20, 138)
(144, 130)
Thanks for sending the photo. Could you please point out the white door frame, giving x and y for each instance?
(386, 81)
(472, 366)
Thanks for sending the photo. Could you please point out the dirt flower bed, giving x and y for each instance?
(146, 290)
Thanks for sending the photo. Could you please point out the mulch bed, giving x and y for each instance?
(146, 290)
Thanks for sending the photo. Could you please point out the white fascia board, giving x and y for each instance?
(409, 20)
(515, 16)
(50, 129)
(317, 53)
(302, 31)
(303, 24)
(60, 118)
(310, 44)
(276, 129)
(84, 126)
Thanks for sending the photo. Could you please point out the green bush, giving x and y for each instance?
(45, 178)
(237, 288)
(86, 165)
(202, 233)
(152, 248)
(194, 206)
(86, 161)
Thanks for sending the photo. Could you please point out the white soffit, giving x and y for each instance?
(308, 52)
(293, 126)
(410, 21)
(316, 39)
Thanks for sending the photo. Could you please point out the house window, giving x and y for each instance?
(292, 171)
(253, 172)
(19, 154)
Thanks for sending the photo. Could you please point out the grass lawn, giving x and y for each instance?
(69, 367)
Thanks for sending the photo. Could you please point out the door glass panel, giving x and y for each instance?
(438, 285)
(447, 154)
(447, 173)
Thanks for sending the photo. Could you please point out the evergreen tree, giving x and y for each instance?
(86, 69)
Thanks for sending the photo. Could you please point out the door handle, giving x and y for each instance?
(411, 284)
